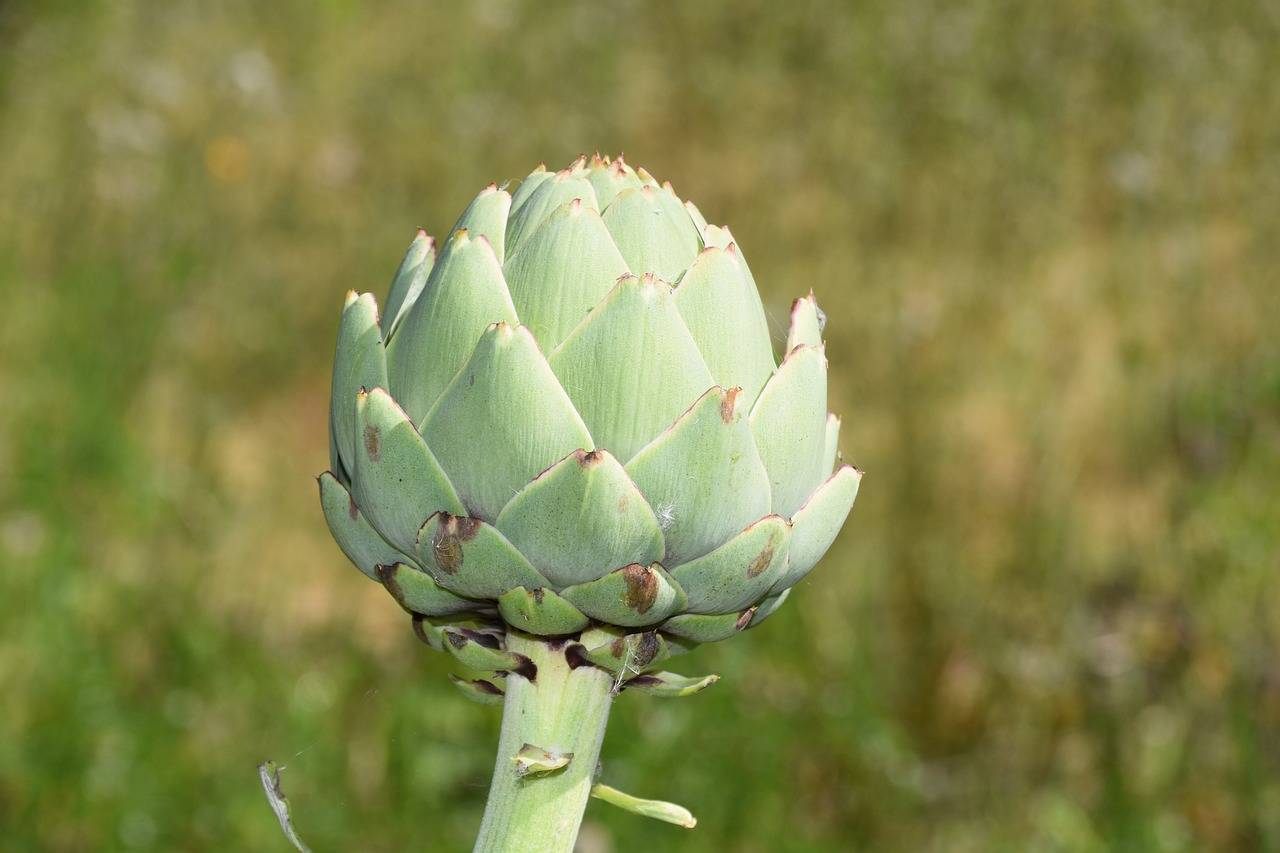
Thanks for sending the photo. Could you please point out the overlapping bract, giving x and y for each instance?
(572, 414)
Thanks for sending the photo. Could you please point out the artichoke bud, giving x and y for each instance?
(570, 421)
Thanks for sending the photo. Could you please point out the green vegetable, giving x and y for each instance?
(569, 445)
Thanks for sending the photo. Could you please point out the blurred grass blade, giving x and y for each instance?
(269, 773)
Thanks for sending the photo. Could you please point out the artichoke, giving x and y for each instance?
(570, 423)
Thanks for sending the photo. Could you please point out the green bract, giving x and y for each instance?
(571, 421)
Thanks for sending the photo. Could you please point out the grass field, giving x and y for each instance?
(1047, 237)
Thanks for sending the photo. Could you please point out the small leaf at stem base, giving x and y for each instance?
(656, 809)
(535, 761)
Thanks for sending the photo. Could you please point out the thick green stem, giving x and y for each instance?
(562, 711)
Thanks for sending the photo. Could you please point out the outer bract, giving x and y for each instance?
(574, 414)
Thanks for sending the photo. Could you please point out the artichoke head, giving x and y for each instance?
(570, 421)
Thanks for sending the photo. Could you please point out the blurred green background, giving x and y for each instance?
(1047, 237)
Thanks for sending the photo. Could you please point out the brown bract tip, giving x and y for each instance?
(744, 619)
(588, 458)
(421, 234)
(575, 654)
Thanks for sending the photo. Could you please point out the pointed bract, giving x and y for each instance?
(397, 482)
(357, 539)
(631, 367)
(482, 652)
(650, 233)
(703, 476)
(478, 690)
(486, 217)
(726, 318)
(670, 684)
(464, 295)
(789, 421)
(526, 188)
(815, 526)
(739, 572)
(581, 519)
(632, 597)
(717, 235)
(415, 591)
(360, 362)
(565, 267)
(609, 179)
(471, 558)
(560, 188)
(540, 611)
(503, 419)
(707, 628)
(408, 281)
(806, 325)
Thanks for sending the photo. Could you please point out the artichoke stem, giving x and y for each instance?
(562, 711)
